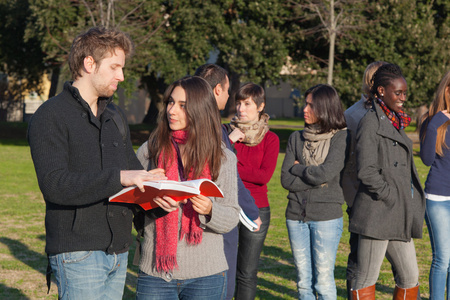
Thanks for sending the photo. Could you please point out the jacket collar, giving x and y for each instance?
(386, 129)
(102, 103)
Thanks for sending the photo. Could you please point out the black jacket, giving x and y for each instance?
(78, 158)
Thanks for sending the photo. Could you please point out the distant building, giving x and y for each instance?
(282, 101)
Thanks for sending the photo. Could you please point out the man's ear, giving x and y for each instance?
(217, 90)
(89, 64)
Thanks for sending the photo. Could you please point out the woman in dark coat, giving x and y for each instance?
(389, 207)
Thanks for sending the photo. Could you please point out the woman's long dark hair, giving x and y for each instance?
(204, 129)
(327, 107)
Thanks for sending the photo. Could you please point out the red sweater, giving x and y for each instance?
(257, 164)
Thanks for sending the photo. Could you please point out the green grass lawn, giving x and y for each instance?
(22, 235)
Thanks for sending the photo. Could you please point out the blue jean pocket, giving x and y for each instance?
(76, 256)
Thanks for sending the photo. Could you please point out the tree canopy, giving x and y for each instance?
(253, 40)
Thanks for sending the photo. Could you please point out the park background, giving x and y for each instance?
(283, 45)
(23, 261)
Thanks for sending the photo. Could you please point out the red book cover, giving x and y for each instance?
(177, 190)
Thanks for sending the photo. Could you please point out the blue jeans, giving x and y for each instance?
(314, 246)
(437, 217)
(90, 274)
(212, 287)
(249, 251)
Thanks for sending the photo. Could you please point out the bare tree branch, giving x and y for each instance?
(148, 36)
(129, 13)
(56, 41)
(90, 13)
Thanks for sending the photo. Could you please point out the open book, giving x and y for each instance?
(177, 190)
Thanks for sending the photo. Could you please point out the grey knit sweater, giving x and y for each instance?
(208, 257)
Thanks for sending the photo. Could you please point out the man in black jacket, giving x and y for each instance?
(81, 149)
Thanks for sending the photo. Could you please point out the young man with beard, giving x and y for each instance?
(82, 153)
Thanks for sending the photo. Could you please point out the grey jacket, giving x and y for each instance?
(315, 193)
(390, 203)
(350, 182)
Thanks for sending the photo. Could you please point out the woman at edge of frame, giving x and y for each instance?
(435, 152)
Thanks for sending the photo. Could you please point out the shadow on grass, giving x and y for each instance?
(131, 280)
(38, 262)
(10, 293)
(271, 286)
(29, 257)
(14, 142)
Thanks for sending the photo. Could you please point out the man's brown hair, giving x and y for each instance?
(97, 42)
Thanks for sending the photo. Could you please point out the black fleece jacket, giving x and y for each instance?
(78, 158)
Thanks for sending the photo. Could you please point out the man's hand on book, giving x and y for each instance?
(167, 203)
(258, 222)
(202, 204)
(137, 177)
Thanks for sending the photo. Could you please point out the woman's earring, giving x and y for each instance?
(382, 95)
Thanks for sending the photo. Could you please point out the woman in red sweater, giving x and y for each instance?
(257, 152)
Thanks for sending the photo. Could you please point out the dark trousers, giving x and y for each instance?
(352, 263)
(249, 251)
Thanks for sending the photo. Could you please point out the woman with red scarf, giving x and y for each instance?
(182, 254)
(389, 207)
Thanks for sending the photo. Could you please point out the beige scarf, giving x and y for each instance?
(254, 132)
(316, 146)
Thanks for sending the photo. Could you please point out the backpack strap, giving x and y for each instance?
(118, 120)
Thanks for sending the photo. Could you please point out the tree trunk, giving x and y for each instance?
(155, 87)
(56, 70)
(332, 33)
